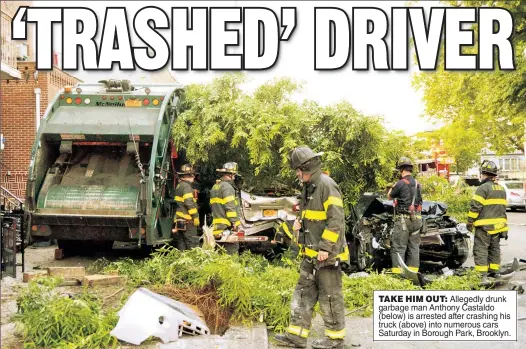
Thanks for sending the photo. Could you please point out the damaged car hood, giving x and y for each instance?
(368, 205)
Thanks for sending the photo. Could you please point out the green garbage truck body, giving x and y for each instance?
(101, 165)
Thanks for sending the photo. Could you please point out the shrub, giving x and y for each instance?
(457, 199)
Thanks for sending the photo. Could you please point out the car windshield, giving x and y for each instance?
(514, 185)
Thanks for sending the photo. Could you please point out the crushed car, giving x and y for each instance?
(266, 219)
(444, 242)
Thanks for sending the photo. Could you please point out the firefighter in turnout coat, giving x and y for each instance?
(487, 214)
(324, 248)
(225, 206)
(186, 216)
(408, 221)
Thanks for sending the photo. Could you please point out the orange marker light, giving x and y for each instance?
(155, 101)
(69, 100)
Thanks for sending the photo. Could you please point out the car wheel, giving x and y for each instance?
(460, 253)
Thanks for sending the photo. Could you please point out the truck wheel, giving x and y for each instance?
(69, 247)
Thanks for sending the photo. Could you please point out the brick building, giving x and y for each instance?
(19, 91)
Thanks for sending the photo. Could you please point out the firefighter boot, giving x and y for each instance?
(327, 343)
(291, 341)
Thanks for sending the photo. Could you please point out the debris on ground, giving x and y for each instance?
(147, 314)
(103, 280)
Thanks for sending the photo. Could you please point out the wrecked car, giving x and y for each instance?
(266, 219)
(444, 242)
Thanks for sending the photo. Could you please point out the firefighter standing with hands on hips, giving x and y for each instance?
(225, 206)
(186, 215)
(408, 219)
(324, 248)
(487, 214)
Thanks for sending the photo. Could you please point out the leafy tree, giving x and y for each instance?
(220, 123)
(458, 142)
(491, 104)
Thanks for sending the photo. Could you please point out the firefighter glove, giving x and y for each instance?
(469, 226)
(504, 235)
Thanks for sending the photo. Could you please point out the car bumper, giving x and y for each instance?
(516, 204)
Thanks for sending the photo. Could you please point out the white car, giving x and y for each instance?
(514, 193)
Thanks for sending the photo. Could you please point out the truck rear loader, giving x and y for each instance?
(101, 167)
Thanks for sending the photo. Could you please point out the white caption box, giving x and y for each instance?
(445, 315)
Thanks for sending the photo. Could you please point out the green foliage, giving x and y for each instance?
(358, 291)
(467, 282)
(48, 319)
(436, 188)
(465, 148)
(492, 104)
(220, 123)
(247, 283)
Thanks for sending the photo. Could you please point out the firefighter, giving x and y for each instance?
(324, 248)
(186, 216)
(487, 214)
(405, 240)
(225, 206)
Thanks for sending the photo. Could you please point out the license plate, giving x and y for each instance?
(133, 103)
(270, 213)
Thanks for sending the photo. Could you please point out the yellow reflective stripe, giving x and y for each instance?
(314, 215)
(415, 269)
(478, 198)
(489, 221)
(486, 202)
(222, 201)
(472, 214)
(188, 196)
(179, 198)
(192, 211)
(494, 266)
(182, 215)
(396, 270)
(285, 228)
(229, 198)
(329, 235)
(335, 334)
(231, 214)
(344, 256)
(298, 331)
(332, 200)
(221, 221)
(481, 267)
(495, 202)
(310, 252)
(236, 223)
(501, 230)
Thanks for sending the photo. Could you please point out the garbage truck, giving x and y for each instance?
(101, 167)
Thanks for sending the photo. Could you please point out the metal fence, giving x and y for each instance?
(9, 49)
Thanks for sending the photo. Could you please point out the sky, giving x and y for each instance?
(388, 93)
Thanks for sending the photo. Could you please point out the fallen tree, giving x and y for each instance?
(227, 289)
(219, 122)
